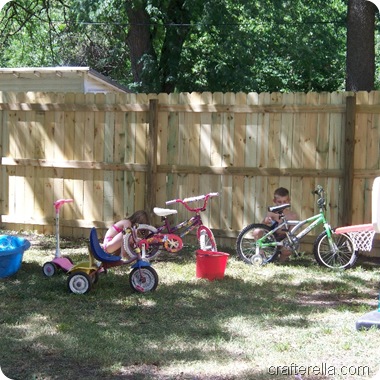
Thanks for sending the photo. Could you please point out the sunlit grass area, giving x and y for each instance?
(256, 323)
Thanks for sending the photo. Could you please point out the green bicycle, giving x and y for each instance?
(258, 244)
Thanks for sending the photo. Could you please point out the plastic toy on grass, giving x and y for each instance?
(59, 262)
(143, 278)
(211, 265)
(12, 249)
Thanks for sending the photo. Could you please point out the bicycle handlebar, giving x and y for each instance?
(319, 190)
(321, 202)
(193, 199)
(60, 202)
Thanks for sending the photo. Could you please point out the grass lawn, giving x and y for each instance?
(257, 323)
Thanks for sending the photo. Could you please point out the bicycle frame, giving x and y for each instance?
(192, 223)
(258, 243)
(168, 236)
(311, 222)
(184, 227)
(314, 221)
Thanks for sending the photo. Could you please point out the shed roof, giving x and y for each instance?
(60, 78)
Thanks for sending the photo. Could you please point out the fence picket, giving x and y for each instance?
(93, 148)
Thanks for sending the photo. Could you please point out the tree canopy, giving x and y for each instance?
(184, 45)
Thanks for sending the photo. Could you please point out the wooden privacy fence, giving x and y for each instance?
(115, 153)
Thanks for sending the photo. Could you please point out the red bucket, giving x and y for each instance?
(211, 265)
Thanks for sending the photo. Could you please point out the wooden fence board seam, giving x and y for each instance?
(71, 164)
(55, 107)
(181, 169)
(198, 108)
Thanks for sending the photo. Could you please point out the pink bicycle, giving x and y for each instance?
(149, 240)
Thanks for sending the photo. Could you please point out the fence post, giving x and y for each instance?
(151, 180)
(349, 150)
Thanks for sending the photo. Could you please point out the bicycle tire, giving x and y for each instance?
(206, 239)
(344, 258)
(246, 245)
(143, 232)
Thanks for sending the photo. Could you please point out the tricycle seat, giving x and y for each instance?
(98, 252)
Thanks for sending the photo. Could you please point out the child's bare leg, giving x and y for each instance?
(285, 254)
(113, 246)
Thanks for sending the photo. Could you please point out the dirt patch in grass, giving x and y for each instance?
(326, 300)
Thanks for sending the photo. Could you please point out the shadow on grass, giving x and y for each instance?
(113, 333)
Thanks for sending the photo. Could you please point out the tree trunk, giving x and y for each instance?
(148, 73)
(360, 64)
(178, 20)
(139, 39)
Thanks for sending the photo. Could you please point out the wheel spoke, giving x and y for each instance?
(143, 279)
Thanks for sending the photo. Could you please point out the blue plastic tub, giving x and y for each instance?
(11, 251)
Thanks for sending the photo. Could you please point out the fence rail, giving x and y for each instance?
(115, 153)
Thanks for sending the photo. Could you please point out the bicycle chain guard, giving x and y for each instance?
(172, 243)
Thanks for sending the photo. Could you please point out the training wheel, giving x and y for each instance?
(257, 259)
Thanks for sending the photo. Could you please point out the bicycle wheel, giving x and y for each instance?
(341, 256)
(246, 245)
(206, 239)
(143, 231)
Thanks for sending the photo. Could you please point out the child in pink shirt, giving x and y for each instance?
(114, 236)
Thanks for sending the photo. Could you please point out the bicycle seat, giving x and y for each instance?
(164, 211)
(278, 209)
